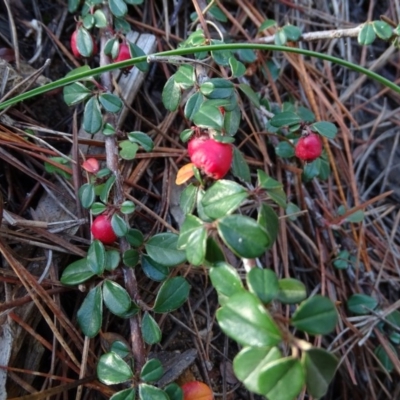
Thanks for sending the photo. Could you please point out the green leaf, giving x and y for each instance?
(119, 225)
(268, 23)
(218, 14)
(130, 258)
(186, 134)
(149, 392)
(316, 316)
(174, 391)
(162, 248)
(214, 253)
(126, 394)
(268, 220)
(127, 207)
(105, 192)
(110, 102)
(311, 170)
(232, 122)
(97, 208)
(226, 281)
(112, 369)
(92, 119)
(73, 5)
(223, 198)
(325, 128)
(123, 26)
(284, 150)
(121, 348)
(134, 237)
(217, 88)
(285, 118)
(238, 68)
(282, 379)
(221, 57)
(76, 273)
(112, 260)
(382, 29)
(118, 7)
(250, 94)
(280, 37)
(84, 42)
(250, 361)
(383, 357)
(320, 367)
(243, 235)
(240, 168)
(361, 304)
(305, 114)
(75, 93)
(108, 130)
(185, 76)
(100, 20)
(291, 291)
(208, 116)
(172, 294)
(86, 195)
(90, 313)
(293, 33)
(171, 94)
(193, 105)
(150, 330)
(152, 371)
(342, 260)
(244, 319)
(136, 51)
(367, 34)
(188, 198)
(356, 217)
(141, 138)
(116, 298)
(152, 270)
(96, 257)
(263, 283)
(193, 237)
(128, 149)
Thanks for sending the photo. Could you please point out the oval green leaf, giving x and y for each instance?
(361, 304)
(90, 313)
(150, 330)
(96, 257)
(263, 283)
(152, 371)
(162, 248)
(172, 294)
(112, 369)
(76, 273)
(226, 281)
(116, 298)
(291, 291)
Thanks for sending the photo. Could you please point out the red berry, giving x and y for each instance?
(91, 165)
(309, 147)
(102, 230)
(123, 55)
(212, 157)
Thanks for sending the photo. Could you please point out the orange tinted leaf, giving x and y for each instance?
(184, 174)
(196, 390)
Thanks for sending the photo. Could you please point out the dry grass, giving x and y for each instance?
(364, 160)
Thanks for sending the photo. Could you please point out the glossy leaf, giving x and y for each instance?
(153, 270)
(134, 237)
(76, 273)
(208, 116)
(116, 298)
(84, 42)
(121, 348)
(100, 20)
(367, 34)
(361, 304)
(280, 38)
(150, 330)
(188, 198)
(162, 248)
(145, 141)
(325, 128)
(320, 367)
(285, 118)
(112, 369)
(263, 283)
(75, 93)
(226, 281)
(268, 23)
(250, 94)
(86, 195)
(130, 258)
(250, 361)
(284, 150)
(118, 7)
(223, 198)
(136, 51)
(244, 309)
(238, 68)
(293, 33)
(243, 235)
(127, 207)
(239, 167)
(291, 291)
(149, 392)
(214, 253)
(382, 29)
(126, 394)
(217, 88)
(171, 94)
(282, 379)
(119, 225)
(273, 188)
(316, 316)
(185, 76)
(96, 257)
(193, 105)
(172, 294)
(90, 313)
(152, 371)
(92, 119)
(174, 391)
(268, 219)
